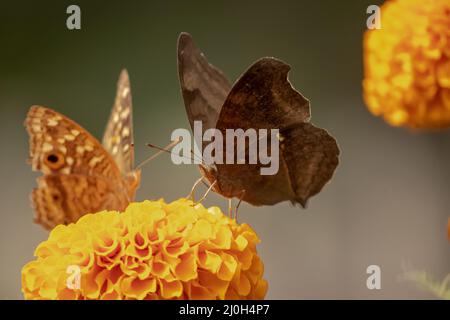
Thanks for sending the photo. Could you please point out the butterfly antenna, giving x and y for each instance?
(166, 149)
(238, 205)
(161, 151)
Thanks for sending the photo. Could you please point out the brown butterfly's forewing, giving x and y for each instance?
(203, 86)
(263, 98)
(76, 167)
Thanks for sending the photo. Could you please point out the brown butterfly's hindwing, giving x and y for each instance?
(311, 156)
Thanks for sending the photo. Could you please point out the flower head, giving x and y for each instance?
(407, 64)
(153, 250)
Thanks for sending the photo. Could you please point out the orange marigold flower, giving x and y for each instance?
(407, 64)
(153, 250)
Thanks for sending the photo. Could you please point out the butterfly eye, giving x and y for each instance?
(54, 160)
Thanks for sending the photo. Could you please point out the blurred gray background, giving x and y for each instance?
(388, 203)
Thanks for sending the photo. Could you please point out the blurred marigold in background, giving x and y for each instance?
(153, 250)
(407, 64)
(448, 229)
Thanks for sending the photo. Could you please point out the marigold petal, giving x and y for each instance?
(136, 288)
(202, 230)
(198, 292)
(209, 260)
(213, 283)
(228, 267)
(170, 289)
(187, 268)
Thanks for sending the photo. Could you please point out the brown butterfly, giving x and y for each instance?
(262, 98)
(81, 175)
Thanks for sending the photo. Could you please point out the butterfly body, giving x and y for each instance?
(262, 98)
(230, 183)
(80, 175)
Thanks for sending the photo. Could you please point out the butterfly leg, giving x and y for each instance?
(190, 196)
(230, 208)
(239, 203)
(206, 193)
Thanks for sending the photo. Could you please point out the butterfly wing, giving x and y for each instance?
(118, 136)
(58, 145)
(263, 98)
(74, 164)
(65, 198)
(204, 87)
(311, 156)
